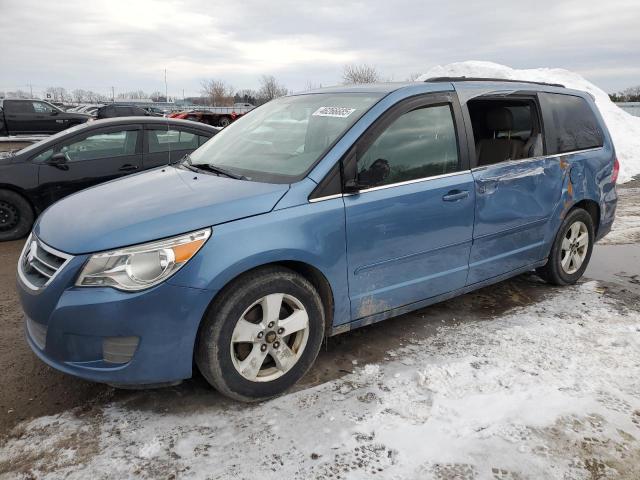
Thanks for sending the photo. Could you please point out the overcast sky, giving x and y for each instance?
(94, 44)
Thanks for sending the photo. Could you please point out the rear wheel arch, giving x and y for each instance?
(592, 208)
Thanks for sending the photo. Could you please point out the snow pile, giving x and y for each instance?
(547, 391)
(624, 127)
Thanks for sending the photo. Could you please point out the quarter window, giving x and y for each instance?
(102, 145)
(576, 126)
(169, 140)
(421, 143)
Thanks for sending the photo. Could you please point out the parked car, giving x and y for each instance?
(33, 178)
(22, 117)
(113, 110)
(268, 238)
(216, 116)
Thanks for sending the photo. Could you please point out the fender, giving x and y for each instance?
(313, 234)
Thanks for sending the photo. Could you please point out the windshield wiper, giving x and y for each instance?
(221, 171)
(187, 163)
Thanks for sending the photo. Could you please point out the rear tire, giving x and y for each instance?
(225, 122)
(16, 216)
(261, 335)
(571, 250)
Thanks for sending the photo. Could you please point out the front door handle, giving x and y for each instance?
(455, 195)
(128, 168)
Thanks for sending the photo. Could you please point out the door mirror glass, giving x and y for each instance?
(59, 158)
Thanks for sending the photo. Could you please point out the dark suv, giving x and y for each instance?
(19, 117)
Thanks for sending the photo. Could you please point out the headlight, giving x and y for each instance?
(141, 266)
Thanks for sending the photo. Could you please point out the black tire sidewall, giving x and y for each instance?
(25, 212)
(556, 271)
(214, 343)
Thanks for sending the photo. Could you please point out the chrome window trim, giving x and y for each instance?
(67, 258)
(391, 185)
(539, 157)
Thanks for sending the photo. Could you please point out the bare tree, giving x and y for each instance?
(413, 77)
(18, 94)
(357, 74)
(218, 92)
(270, 88)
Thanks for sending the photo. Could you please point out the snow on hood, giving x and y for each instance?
(624, 127)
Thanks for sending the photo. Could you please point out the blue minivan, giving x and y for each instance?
(315, 214)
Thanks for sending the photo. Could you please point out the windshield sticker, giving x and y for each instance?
(338, 112)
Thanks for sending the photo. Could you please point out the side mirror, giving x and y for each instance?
(57, 159)
(354, 186)
(55, 112)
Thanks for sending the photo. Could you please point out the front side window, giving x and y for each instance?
(281, 140)
(419, 144)
(102, 145)
(41, 107)
(576, 126)
(171, 140)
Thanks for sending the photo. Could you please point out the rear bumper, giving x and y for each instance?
(158, 327)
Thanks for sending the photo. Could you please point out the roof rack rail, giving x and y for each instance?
(482, 79)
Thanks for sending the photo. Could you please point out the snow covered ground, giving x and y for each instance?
(624, 127)
(547, 391)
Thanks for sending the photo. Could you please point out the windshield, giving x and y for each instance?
(281, 140)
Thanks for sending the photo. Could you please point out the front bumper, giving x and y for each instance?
(70, 328)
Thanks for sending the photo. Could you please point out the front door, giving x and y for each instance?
(90, 159)
(409, 229)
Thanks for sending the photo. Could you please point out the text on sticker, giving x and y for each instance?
(340, 112)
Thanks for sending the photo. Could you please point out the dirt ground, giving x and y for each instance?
(31, 389)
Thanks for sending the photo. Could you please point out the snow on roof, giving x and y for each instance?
(624, 128)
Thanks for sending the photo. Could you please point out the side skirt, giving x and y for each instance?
(378, 317)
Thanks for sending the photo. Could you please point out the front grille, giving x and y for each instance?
(39, 263)
(37, 332)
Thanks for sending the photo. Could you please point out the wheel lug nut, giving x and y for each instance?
(263, 348)
(270, 324)
(280, 331)
(276, 344)
(260, 334)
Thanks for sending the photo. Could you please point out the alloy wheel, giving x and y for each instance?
(575, 246)
(269, 337)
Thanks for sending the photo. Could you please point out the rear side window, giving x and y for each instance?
(575, 125)
(169, 140)
(421, 143)
(18, 107)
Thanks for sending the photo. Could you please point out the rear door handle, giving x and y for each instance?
(128, 168)
(455, 195)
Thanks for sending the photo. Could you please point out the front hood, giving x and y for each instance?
(149, 206)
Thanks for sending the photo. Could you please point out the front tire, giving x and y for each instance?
(261, 335)
(16, 216)
(571, 250)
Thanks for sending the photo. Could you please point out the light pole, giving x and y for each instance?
(166, 95)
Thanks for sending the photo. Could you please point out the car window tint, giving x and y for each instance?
(202, 139)
(168, 140)
(102, 145)
(420, 143)
(18, 107)
(44, 156)
(41, 107)
(576, 126)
